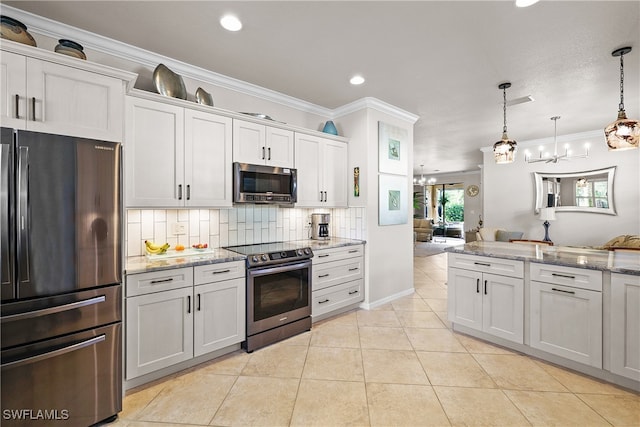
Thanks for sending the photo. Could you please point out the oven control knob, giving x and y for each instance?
(264, 257)
(300, 252)
(283, 254)
(307, 251)
(254, 259)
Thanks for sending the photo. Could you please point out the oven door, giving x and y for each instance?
(278, 295)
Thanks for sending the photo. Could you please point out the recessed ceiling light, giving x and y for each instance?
(525, 3)
(230, 23)
(356, 80)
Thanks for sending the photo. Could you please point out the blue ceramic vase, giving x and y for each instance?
(329, 127)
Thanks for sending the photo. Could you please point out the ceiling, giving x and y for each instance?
(441, 60)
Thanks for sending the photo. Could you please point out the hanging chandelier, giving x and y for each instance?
(555, 157)
(420, 181)
(624, 133)
(504, 151)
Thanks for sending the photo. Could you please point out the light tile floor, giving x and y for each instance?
(397, 365)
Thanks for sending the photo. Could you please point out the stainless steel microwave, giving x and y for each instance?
(264, 184)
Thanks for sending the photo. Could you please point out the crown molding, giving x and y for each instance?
(580, 136)
(57, 30)
(375, 104)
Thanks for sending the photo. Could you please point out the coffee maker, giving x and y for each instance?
(320, 226)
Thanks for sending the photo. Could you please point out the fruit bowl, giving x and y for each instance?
(200, 247)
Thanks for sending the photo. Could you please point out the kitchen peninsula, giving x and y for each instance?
(575, 307)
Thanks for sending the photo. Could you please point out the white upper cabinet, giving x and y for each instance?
(322, 171)
(262, 145)
(44, 96)
(176, 157)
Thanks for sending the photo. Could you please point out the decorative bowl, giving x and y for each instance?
(203, 97)
(70, 52)
(258, 115)
(14, 30)
(168, 83)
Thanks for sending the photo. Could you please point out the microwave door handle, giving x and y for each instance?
(23, 216)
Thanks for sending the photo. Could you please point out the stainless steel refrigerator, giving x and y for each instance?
(61, 310)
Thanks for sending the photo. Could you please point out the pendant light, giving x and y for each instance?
(622, 134)
(504, 151)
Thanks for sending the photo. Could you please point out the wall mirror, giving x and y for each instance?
(589, 191)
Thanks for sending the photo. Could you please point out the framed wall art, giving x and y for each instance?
(392, 149)
(393, 201)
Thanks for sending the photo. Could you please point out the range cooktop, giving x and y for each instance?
(263, 254)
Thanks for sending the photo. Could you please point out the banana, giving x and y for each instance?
(153, 248)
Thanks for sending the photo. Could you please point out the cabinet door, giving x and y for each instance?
(464, 299)
(503, 307)
(208, 159)
(279, 143)
(308, 151)
(567, 322)
(13, 83)
(625, 325)
(249, 142)
(219, 315)
(74, 102)
(159, 331)
(154, 154)
(335, 179)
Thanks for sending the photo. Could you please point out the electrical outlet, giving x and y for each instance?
(178, 228)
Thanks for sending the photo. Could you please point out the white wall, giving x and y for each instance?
(389, 249)
(509, 195)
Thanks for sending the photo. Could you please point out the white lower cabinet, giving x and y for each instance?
(175, 315)
(487, 302)
(338, 279)
(625, 325)
(566, 312)
(159, 331)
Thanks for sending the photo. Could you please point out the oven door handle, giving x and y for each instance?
(255, 271)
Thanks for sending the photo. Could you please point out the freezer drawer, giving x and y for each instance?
(75, 380)
(43, 318)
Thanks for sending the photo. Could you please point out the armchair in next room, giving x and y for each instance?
(422, 229)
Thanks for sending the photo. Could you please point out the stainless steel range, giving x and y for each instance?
(278, 291)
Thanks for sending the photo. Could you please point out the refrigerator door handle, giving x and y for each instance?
(54, 353)
(23, 215)
(5, 240)
(53, 310)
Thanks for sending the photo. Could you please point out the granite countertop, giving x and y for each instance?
(614, 261)
(144, 264)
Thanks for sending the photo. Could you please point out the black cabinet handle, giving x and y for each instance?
(353, 251)
(323, 256)
(353, 292)
(179, 191)
(269, 150)
(188, 192)
(33, 108)
(262, 153)
(323, 275)
(477, 286)
(198, 302)
(562, 290)
(484, 264)
(188, 303)
(221, 271)
(322, 302)
(17, 105)
(485, 287)
(354, 269)
(566, 276)
(162, 281)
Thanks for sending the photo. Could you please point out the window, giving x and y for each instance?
(591, 193)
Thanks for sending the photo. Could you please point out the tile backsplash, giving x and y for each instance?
(237, 226)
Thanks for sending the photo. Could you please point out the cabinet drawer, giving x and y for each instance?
(336, 297)
(327, 255)
(156, 281)
(336, 272)
(504, 267)
(576, 277)
(218, 272)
